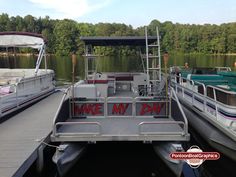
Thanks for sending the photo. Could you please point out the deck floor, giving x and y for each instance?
(116, 128)
(18, 134)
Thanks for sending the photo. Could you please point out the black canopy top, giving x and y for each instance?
(118, 40)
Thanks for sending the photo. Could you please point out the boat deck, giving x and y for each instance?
(120, 129)
(19, 133)
(121, 117)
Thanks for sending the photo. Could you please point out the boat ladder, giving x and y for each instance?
(152, 60)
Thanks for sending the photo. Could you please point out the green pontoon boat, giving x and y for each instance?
(208, 97)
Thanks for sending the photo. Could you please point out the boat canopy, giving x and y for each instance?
(25, 39)
(21, 39)
(118, 40)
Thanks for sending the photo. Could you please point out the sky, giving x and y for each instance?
(131, 12)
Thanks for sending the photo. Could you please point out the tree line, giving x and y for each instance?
(63, 36)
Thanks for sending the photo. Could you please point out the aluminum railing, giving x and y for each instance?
(94, 133)
(124, 100)
(60, 105)
(15, 87)
(204, 94)
(133, 101)
(182, 124)
(206, 99)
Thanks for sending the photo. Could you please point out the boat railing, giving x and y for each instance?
(23, 81)
(183, 117)
(65, 95)
(110, 102)
(223, 68)
(87, 115)
(96, 130)
(119, 107)
(163, 123)
(205, 98)
(220, 89)
(116, 100)
(12, 93)
(5, 91)
(205, 91)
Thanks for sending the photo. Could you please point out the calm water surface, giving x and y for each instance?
(131, 159)
(63, 65)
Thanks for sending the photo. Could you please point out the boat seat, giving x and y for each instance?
(209, 79)
(206, 77)
(13, 74)
(4, 81)
(7, 81)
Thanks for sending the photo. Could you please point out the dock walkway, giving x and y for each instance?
(19, 133)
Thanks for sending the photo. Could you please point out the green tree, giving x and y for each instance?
(5, 22)
(66, 37)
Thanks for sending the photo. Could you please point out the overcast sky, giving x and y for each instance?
(131, 12)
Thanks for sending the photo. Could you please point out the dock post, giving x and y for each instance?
(40, 159)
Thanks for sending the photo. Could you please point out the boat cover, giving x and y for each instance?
(21, 39)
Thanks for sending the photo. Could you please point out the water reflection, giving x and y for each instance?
(63, 65)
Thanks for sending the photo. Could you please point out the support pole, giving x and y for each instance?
(74, 58)
(166, 58)
(147, 58)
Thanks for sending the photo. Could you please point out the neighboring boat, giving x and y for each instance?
(21, 87)
(208, 96)
(119, 107)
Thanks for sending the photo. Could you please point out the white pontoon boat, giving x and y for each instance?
(21, 87)
(119, 107)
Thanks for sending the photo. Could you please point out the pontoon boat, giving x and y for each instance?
(208, 97)
(21, 87)
(119, 107)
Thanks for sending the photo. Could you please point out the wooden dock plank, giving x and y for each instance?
(18, 134)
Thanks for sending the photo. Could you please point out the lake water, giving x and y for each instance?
(134, 165)
(63, 65)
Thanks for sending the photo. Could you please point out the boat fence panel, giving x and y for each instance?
(15, 96)
(87, 107)
(121, 119)
(151, 128)
(85, 128)
(119, 107)
(152, 108)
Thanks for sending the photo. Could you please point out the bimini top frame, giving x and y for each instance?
(24, 40)
(118, 40)
(93, 41)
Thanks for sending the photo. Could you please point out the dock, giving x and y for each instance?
(19, 133)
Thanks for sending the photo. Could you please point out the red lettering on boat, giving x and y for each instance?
(120, 108)
(88, 109)
(151, 108)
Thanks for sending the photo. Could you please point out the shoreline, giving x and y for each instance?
(5, 54)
